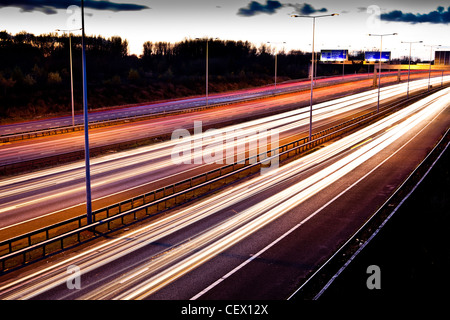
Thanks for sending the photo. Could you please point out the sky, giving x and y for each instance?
(258, 22)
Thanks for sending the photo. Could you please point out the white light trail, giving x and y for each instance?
(246, 222)
(270, 209)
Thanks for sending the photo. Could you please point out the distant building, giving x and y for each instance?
(442, 58)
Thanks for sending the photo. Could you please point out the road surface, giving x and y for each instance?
(258, 239)
(120, 112)
(37, 199)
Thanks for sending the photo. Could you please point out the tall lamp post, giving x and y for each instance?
(431, 57)
(379, 65)
(207, 71)
(315, 65)
(343, 60)
(312, 63)
(86, 123)
(409, 63)
(71, 70)
(276, 54)
(207, 66)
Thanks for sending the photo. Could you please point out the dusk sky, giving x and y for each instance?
(255, 21)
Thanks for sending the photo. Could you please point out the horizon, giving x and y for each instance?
(271, 49)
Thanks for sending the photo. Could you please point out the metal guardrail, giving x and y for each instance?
(32, 164)
(118, 120)
(44, 242)
(114, 121)
(18, 167)
(335, 264)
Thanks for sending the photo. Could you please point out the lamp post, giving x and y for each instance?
(71, 70)
(409, 63)
(207, 71)
(207, 67)
(276, 54)
(86, 123)
(315, 66)
(312, 63)
(343, 61)
(379, 65)
(431, 57)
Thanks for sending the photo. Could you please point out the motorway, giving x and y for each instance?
(121, 112)
(28, 150)
(171, 105)
(258, 239)
(34, 200)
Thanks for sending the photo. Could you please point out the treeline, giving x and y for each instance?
(35, 71)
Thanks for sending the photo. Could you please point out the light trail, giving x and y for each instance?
(153, 274)
(268, 210)
(112, 169)
(177, 104)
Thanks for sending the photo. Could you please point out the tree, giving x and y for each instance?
(133, 75)
(6, 83)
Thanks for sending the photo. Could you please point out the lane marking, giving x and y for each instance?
(214, 284)
(384, 222)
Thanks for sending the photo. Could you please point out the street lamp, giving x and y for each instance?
(431, 57)
(207, 72)
(71, 70)
(409, 63)
(379, 68)
(276, 54)
(312, 63)
(86, 123)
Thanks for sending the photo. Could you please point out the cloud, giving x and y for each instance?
(50, 7)
(254, 8)
(305, 8)
(438, 16)
(270, 7)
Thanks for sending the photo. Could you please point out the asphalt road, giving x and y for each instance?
(411, 250)
(34, 200)
(28, 150)
(179, 104)
(258, 239)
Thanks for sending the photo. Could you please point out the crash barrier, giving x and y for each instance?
(150, 115)
(325, 275)
(39, 244)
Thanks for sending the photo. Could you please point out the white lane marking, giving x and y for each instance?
(303, 221)
(328, 284)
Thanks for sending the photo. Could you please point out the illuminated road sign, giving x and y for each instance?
(334, 55)
(375, 56)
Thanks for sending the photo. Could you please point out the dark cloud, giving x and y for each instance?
(50, 7)
(437, 16)
(270, 7)
(254, 8)
(305, 8)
